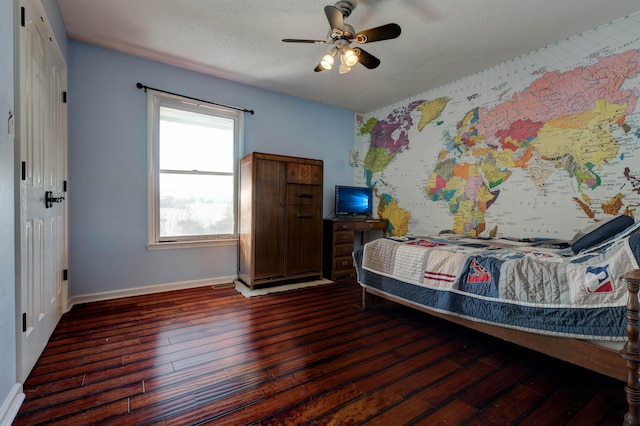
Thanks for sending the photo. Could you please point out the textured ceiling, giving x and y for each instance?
(240, 40)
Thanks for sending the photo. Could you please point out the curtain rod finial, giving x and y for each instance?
(139, 85)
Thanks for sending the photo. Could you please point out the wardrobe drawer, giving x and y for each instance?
(305, 172)
(304, 194)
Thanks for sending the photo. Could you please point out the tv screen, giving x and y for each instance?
(354, 201)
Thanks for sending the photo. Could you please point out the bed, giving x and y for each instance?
(537, 293)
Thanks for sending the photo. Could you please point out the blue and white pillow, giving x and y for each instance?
(599, 232)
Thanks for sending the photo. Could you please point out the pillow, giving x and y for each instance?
(600, 232)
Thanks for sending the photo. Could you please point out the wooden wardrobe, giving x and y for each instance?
(280, 219)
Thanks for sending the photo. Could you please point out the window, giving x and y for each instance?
(193, 156)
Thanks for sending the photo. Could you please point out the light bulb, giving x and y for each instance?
(327, 62)
(344, 68)
(350, 58)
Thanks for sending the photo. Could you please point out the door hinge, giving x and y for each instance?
(24, 322)
(64, 186)
(24, 170)
(64, 97)
(65, 274)
(22, 17)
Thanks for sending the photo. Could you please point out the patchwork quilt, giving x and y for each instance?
(532, 285)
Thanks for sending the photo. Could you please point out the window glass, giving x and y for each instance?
(192, 205)
(193, 155)
(192, 141)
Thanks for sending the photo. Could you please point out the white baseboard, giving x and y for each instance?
(11, 405)
(149, 289)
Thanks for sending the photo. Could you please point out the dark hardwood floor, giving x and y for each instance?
(310, 356)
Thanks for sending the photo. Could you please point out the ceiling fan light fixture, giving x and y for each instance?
(327, 60)
(350, 57)
(342, 34)
(344, 68)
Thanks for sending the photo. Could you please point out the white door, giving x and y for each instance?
(43, 164)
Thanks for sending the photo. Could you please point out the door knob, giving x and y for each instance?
(49, 199)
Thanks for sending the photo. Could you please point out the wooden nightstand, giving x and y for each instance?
(338, 237)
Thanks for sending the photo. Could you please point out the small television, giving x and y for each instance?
(354, 201)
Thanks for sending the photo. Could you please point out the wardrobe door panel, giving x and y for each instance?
(304, 239)
(269, 220)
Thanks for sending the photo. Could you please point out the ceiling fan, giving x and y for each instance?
(341, 35)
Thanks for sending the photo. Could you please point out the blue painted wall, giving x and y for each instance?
(108, 164)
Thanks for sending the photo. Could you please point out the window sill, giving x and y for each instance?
(190, 244)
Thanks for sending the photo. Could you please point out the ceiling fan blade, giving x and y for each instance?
(366, 58)
(298, 40)
(384, 32)
(334, 15)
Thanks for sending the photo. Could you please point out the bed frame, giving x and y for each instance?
(623, 365)
(630, 352)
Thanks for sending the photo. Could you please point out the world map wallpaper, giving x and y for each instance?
(541, 146)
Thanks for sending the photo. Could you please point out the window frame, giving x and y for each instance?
(155, 100)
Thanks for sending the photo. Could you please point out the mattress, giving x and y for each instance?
(526, 285)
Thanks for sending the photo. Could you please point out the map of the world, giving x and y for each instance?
(543, 145)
